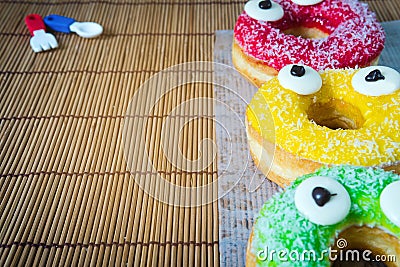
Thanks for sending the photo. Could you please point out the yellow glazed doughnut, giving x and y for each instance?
(337, 124)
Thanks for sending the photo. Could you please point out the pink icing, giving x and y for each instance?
(355, 36)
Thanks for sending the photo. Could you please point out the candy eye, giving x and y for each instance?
(389, 200)
(306, 2)
(264, 10)
(300, 79)
(376, 81)
(322, 200)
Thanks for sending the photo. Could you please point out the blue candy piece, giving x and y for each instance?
(58, 23)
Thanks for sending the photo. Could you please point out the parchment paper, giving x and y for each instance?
(238, 209)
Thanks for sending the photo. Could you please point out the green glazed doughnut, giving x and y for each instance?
(355, 209)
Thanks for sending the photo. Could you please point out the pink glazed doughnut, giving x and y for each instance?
(328, 34)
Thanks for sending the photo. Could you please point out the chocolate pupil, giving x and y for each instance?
(297, 70)
(321, 196)
(265, 4)
(374, 76)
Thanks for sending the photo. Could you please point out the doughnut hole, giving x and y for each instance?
(336, 114)
(373, 242)
(305, 32)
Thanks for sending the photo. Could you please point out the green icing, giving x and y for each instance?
(280, 226)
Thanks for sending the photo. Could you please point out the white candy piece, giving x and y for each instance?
(389, 201)
(307, 84)
(306, 2)
(272, 14)
(332, 212)
(389, 85)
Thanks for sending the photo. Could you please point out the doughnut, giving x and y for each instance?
(303, 119)
(329, 34)
(331, 213)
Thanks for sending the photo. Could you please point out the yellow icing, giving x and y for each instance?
(375, 142)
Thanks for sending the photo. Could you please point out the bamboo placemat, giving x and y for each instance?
(66, 194)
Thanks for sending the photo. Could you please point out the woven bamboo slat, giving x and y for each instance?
(67, 196)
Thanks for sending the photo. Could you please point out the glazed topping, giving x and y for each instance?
(376, 81)
(306, 2)
(389, 201)
(375, 142)
(264, 10)
(282, 227)
(300, 79)
(314, 200)
(355, 36)
(374, 76)
(321, 195)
